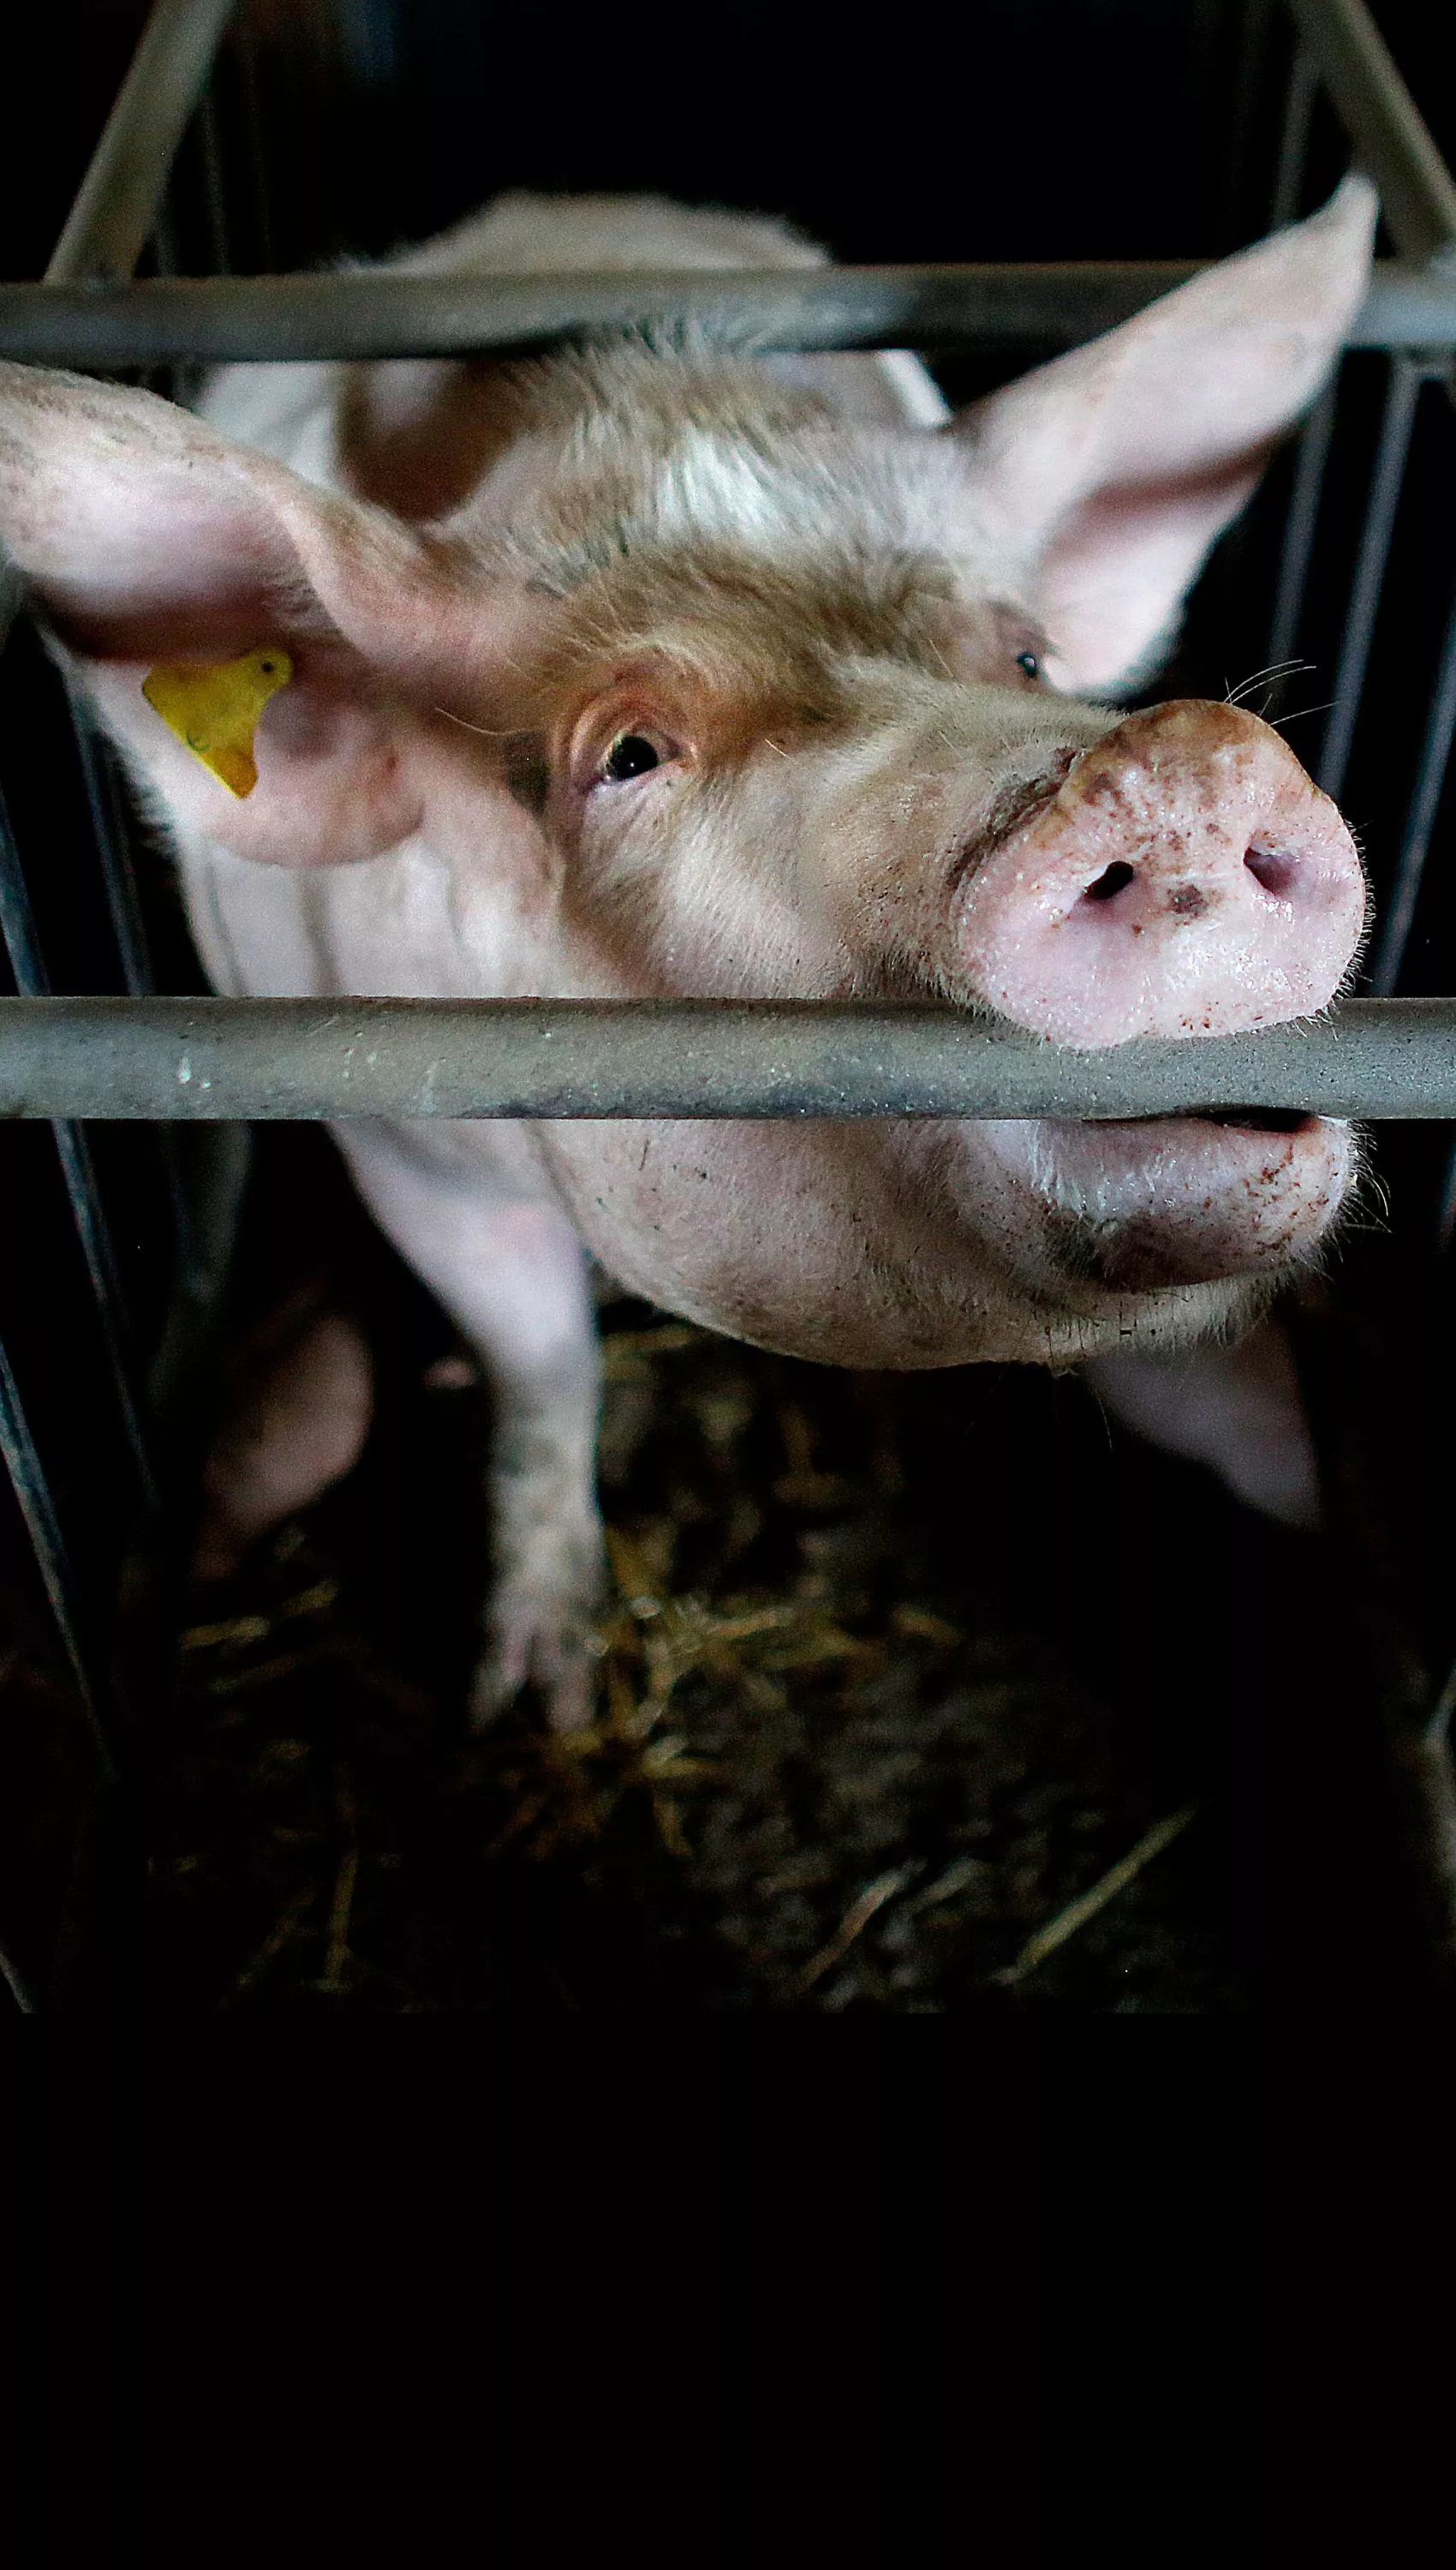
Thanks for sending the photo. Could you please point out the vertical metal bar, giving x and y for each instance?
(220, 255)
(19, 1987)
(48, 1543)
(1353, 61)
(1298, 543)
(1446, 1219)
(17, 927)
(1420, 821)
(1251, 64)
(106, 228)
(1294, 141)
(109, 834)
(1407, 374)
(245, 63)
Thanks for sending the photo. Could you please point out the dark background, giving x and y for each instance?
(1072, 129)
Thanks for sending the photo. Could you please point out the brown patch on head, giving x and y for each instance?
(416, 436)
(692, 510)
(1189, 902)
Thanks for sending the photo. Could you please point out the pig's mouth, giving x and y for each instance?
(1243, 1119)
(1144, 1202)
(1261, 1119)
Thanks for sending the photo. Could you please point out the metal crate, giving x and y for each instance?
(218, 172)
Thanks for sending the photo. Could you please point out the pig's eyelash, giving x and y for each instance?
(470, 726)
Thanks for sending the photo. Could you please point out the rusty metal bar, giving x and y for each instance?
(377, 313)
(116, 207)
(1418, 191)
(205, 1060)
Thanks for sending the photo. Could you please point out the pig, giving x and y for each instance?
(657, 668)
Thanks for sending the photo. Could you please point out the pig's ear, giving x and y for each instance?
(1111, 471)
(147, 538)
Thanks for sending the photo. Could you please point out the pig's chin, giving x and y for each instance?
(1182, 1199)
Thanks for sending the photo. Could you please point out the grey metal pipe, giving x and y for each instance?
(115, 206)
(1294, 141)
(1298, 549)
(297, 1059)
(372, 313)
(1418, 191)
(1388, 474)
(1420, 821)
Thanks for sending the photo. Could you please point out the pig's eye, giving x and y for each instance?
(631, 754)
(1029, 663)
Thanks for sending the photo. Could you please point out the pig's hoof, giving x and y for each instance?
(532, 1649)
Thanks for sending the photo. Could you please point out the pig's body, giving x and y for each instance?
(722, 679)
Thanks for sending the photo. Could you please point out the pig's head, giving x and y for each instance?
(729, 695)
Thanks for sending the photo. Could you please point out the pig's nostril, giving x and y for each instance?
(1110, 883)
(1267, 867)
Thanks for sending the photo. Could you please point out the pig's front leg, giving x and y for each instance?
(510, 1270)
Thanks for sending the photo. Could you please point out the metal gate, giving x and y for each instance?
(122, 1212)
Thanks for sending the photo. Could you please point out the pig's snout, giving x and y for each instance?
(1187, 879)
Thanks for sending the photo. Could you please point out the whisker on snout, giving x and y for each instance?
(1276, 670)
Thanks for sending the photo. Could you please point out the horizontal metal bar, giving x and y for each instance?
(282, 1058)
(1391, 140)
(375, 313)
(118, 199)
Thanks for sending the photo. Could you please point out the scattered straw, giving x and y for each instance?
(1074, 1917)
(278, 1936)
(854, 1921)
(337, 1954)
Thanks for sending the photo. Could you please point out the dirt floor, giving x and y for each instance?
(892, 1713)
(918, 1694)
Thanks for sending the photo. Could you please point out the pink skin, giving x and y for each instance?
(827, 621)
(1187, 879)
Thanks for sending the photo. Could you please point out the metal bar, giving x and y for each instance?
(1446, 1213)
(164, 321)
(48, 1543)
(256, 155)
(1406, 378)
(108, 833)
(206, 1060)
(1256, 37)
(1420, 820)
(17, 930)
(1294, 141)
(1417, 192)
(1298, 549)
(109, 837)
(220, 257)
(106, 228)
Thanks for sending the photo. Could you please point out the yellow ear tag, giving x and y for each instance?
(216, 711)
